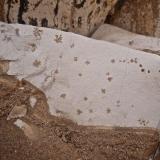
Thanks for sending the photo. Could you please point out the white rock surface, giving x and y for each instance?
(33, 101)
(92, 82)
(17, 112)
(27, 129)
(120, 36)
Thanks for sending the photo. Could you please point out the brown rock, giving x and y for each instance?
(1, 10)
(138, 16)
(82, 17)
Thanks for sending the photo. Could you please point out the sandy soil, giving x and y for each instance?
(45, 137)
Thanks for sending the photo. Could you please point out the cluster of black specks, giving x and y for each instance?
(132, 60)
(143, 122)
(135, 61)
(143, 69)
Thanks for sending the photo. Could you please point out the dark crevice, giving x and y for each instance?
(56, 8)
(23, 8)
(79, 5)
(44, 22)
(8, 11)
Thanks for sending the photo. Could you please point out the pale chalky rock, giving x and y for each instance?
(28, 130)
(89, 81)
(17, 112)
(79, 16)
(139, 16)
(117, 35)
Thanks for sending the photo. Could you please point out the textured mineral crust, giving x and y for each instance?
(79, 16)
(139, 16)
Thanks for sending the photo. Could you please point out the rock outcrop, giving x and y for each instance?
(139, 16)
(77, 16)
(89, 81)
(117, 35)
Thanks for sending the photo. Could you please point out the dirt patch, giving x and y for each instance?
(59, 138)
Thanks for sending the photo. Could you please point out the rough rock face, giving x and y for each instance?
(140, 16)
(79, 16)
(132, 40)
(89, 81)
(1, 10)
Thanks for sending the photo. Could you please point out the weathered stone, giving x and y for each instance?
(136, 41)
(140, 16)
(79, 16)
(28, 130)
(89, 81)
(17, 112)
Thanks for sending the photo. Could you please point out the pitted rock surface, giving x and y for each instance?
(89, 81)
